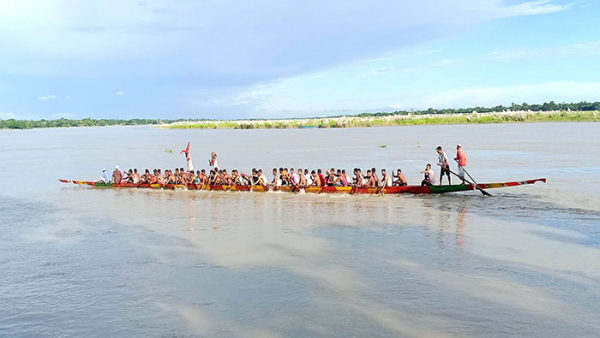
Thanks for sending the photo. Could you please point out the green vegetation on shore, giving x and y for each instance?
(547, 112)
(391, 120)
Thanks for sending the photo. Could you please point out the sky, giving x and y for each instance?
(223, 59)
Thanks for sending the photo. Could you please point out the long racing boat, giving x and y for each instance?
(411, 189)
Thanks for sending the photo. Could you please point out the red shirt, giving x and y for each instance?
(461, 157)
(322, 177)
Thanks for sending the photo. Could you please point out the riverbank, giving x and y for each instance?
(392, 120)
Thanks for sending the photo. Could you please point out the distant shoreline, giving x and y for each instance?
(392, 120)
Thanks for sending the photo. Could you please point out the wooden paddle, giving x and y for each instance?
(472, 179)
(473, 183)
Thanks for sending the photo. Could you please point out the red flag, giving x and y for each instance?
(186, 150)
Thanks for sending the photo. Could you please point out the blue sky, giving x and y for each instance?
(239, 59)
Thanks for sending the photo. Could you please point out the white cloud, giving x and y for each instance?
(422, 67)
(252, 97)
(530, 8)
(263, 40)
(47, 97)
(120, 93)
(578, 49)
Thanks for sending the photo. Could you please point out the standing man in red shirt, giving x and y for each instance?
(461, 158)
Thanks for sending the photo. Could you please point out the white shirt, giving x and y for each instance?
(443, 158)
(190, 166)
(215, 164)
(431, 176)
(308, 179)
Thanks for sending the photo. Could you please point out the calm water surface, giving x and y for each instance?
(81, 262)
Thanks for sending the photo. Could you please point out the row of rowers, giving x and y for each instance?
(282, 177)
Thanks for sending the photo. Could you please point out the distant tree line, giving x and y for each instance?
(547, 106)
(89, 122)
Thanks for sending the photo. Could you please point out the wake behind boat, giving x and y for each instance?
(411, 189)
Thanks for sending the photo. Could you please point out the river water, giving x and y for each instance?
(83, 262)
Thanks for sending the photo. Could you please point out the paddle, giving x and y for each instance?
(476, 185)
(473, 183)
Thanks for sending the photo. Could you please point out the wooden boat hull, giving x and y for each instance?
(411, 189)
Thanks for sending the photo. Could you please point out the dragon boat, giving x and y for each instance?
(411, 189)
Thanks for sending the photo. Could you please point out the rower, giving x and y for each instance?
(116, 175)
(359, 182)
(276, 181)
(294, 179)
(370, 179)
(302, 178)
(443, 163)
(375, 177)
(386, 180)
(159, 177)
(127, 176)
(105, 177)
(341, 179)
(461, 158)
(136, 176)
(236, 179)
(262, 179)
(429, 176)
(203, 177)
(321, 178)
(308, 178)
(317, 182)
(401, 180)
(346, 176)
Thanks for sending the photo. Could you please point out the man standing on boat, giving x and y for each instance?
(443, 162)
(213, 162)
(461, 158)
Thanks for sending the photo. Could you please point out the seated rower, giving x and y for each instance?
(386, 180)
(341, 179)
(358, 178)
(203, 178)
(283, 173)
(376, 178)
(294, 178)
(145, 176)
(136, 176)
(308, 178)
(127, 177)
(159, 178)
(370, 180)
(245, 179)
(401, 180)
(302, 178)
(348, 180)
(105, 176)
(317, 182)
(262, 179)
(276, 180)
(190, 177)
(429, 176)
(344, 179)
(151, 178)
(331, 178)
(322, 180)
(236, 179)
